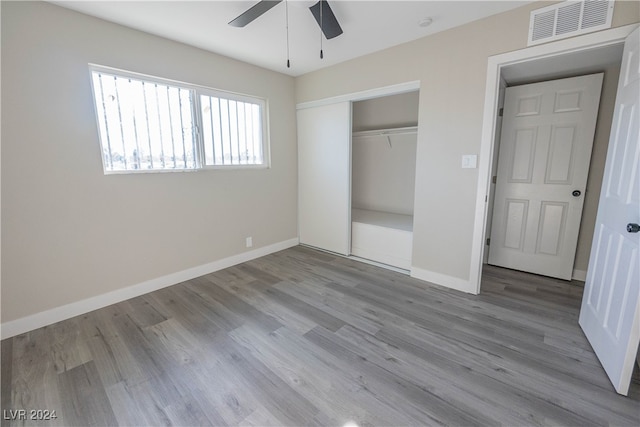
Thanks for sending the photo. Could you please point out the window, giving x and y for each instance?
(231, 131)
(151, 124)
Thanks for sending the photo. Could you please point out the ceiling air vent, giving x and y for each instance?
(568, 19)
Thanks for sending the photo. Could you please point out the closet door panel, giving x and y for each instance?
(324, 177)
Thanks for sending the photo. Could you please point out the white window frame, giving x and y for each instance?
(196, 92)
(240, 98)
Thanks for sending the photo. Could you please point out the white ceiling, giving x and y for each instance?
(368, 26)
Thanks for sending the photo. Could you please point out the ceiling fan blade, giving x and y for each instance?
(330, 26)
(254, 12)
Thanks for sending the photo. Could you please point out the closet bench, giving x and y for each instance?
(383, 237)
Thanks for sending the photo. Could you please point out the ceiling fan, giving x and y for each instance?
(321, 11)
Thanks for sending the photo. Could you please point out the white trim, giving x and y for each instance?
(580, 275)
(57, 314)
(443, 280)
(362, 95)
(495, 64)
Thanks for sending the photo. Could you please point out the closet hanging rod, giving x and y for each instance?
(387, 132)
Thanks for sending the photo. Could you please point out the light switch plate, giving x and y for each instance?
(469, 161)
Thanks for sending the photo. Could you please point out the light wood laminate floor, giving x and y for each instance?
(302, 337)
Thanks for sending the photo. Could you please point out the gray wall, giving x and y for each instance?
(68, 231)
(451, 67)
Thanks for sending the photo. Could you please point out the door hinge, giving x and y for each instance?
(501, 112)
(488, 241)
(494, 179)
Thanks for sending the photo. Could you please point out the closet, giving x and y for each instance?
(383, 169)
(356, 171)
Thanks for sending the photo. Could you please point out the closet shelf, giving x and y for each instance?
(387, 131)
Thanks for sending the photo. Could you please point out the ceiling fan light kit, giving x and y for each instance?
(321, 11)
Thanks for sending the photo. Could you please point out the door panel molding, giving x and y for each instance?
(561, 155)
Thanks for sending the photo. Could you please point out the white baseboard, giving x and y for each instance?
(579, 275)
(48, 317)
(444, 280)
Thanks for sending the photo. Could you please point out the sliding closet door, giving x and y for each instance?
(324, 176)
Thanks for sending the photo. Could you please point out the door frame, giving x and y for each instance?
(487, 144)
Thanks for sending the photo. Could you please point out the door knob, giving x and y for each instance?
(633, 228)
(576, 193)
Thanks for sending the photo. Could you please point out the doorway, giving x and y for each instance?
(541, 181)
(568, 57)
(622, 284)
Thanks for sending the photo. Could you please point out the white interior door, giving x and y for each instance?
(545, 151)
(610, 312)
(324, 177)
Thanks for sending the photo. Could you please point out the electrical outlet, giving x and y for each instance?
(249, 241)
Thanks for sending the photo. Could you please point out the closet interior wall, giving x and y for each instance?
(383, 166)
